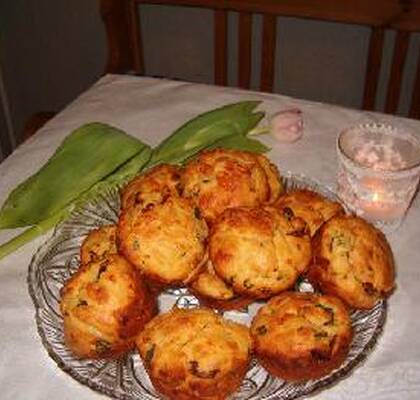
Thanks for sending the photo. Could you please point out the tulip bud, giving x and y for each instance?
(287, 125)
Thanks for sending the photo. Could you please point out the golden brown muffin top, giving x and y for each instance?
(195, 353)
(353, 260)
(221, 178)
(213, 292)
(298, 332)
(105, 299)
(152, 186)
(312, 207)
(296, 323)
(208, 284)
(259, 251)
(166, 241)
(273, 177)
(98, 243)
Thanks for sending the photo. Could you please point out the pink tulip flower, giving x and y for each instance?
(287, 125)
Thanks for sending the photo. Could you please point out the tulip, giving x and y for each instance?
(287, 126)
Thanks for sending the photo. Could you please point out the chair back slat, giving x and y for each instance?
(268, 52)
(415, 99)
(373, 67)
(244, 48)
(136, 38)
(115, 16)
(220, 47)
(397, 69)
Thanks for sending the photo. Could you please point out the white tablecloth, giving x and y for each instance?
(151, 109)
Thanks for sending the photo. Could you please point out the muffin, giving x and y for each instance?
(301, 336)
(312, 207)
(259, 251)
(98, 243)
(166, 241)
(151, 187)
(352, 260)
(273, 177)
(105, 304)
(219, 179)
(195, 354)
(213, 292)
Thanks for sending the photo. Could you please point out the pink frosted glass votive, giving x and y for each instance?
(379, 169)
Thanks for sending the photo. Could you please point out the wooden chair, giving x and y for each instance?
(36, 122)
(122, 24)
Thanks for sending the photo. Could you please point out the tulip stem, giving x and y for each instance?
(31, 233)
(259, 130)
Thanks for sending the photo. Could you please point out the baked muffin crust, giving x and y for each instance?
(301, 336)
(104, 305)
(258, 251)
(165, 241)
(152, 186)
(98, 243)
(219, 179)
(195, 354)
(352, 260)
(213, 292)
(312, 207)
(273, 177)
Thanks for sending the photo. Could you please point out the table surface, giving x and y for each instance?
(151, 109)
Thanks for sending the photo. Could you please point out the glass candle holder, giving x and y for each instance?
(379, 169)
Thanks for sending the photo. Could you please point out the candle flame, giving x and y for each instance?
(375, 196)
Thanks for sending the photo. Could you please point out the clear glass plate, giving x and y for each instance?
(125, 378)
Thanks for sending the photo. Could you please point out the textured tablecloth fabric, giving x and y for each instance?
(151, 109)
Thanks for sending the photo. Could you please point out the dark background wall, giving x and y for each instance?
(50, 51)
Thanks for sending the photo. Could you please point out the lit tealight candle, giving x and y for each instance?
(379, 208)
